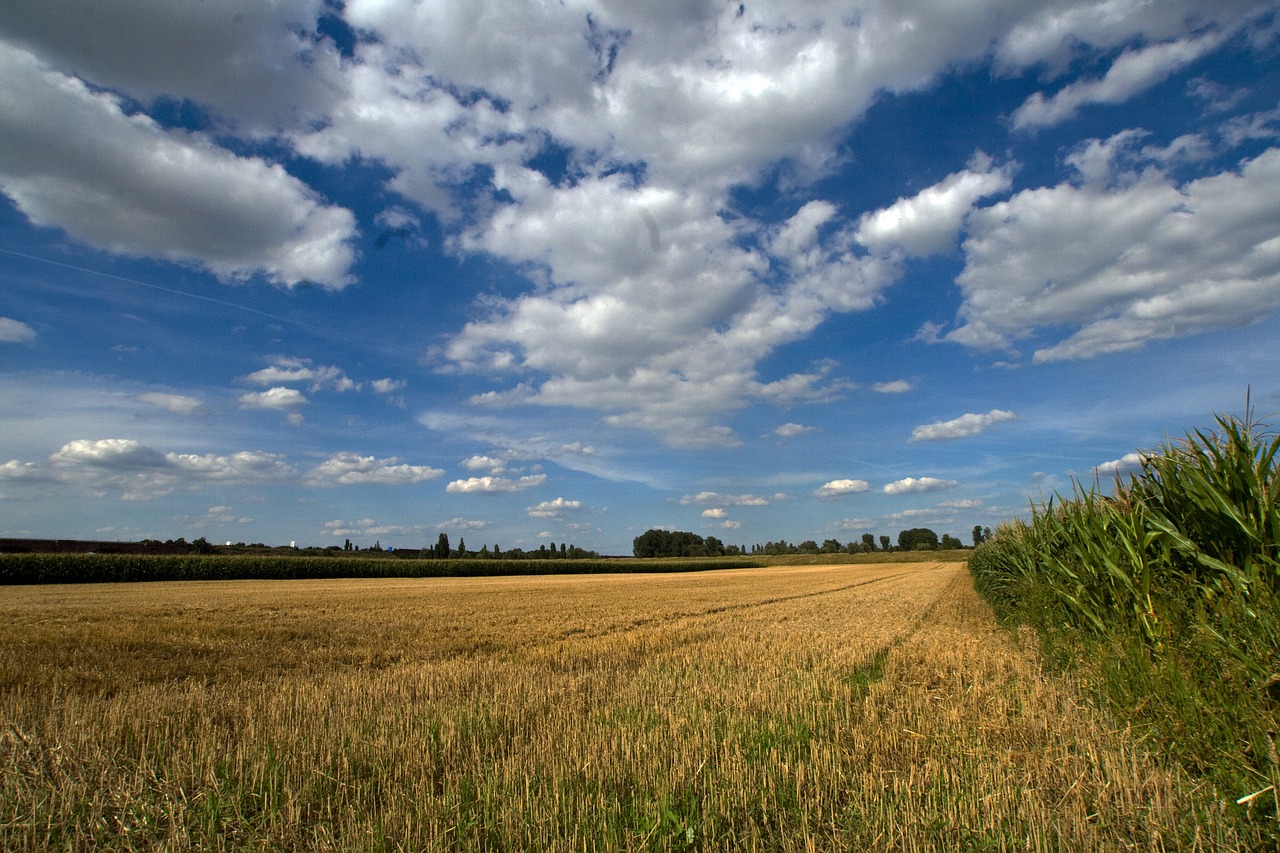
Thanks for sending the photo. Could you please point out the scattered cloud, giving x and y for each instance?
(489, 485)
(863, 525)
(1123, 263)
(637, 228)
(492, 464)
(176, 403)
(915, 515)
(15, 331)
(962, 503)
(724, 500)
(351, 469)
(1263, 125)
(1127, 462)
(911, 485)
(1217, 97)
(264, 67)
(645, 355)
(554, 508)
(1133, 71)
(280, 399)
(387, 386)
(460, 523)
(930, 221)
(168, 194)
(140, 472)
(16, 470)
(791, 430)
(318, 377)
(961, 427)
(216, 515)
(836, 488)
(368, 527)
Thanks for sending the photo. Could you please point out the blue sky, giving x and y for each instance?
(523, 273)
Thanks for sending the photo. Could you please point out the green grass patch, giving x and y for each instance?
(859, 680)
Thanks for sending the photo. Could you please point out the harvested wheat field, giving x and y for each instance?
(808, 708)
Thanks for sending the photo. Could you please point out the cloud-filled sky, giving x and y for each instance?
(521, 273)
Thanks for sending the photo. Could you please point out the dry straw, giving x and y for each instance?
(798, 708)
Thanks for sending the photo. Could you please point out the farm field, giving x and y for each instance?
(859, 706)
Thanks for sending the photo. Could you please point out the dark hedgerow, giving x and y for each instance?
(124, 568)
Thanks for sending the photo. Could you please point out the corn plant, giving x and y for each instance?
(1167, 590)
(1202, 515)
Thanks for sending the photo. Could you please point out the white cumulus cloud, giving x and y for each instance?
(302, 370)
(1124, 463)
(15, 331)
(370, 527)
(791, 430)
(554, 508)
(930, 221)
(279, 398)
(349, 469)
(15, 469)
(488, 485)
(1133, 72)
(142, 190)
(717, 499)
(961, 427)
(910, 485)
(1123, 264)
(835, 488)
(387, 386)
(141, 472)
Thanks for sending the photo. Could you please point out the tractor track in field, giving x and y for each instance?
(694, 616)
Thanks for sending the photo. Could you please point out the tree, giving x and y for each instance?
(884, 543)
(950, 542)
(831, 546)
(868, 542)
(917, 539)
(669, 543)
(978, 537)
(442, 546)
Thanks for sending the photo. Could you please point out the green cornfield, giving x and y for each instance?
(1164, 591)
(123, 568)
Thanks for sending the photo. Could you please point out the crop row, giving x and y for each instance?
(1199, 525)
(1168, 591)
(123, 568)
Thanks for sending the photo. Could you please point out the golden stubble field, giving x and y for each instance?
(790, 708)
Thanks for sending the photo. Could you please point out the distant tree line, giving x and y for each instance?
(443, 551)
(680, 543)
